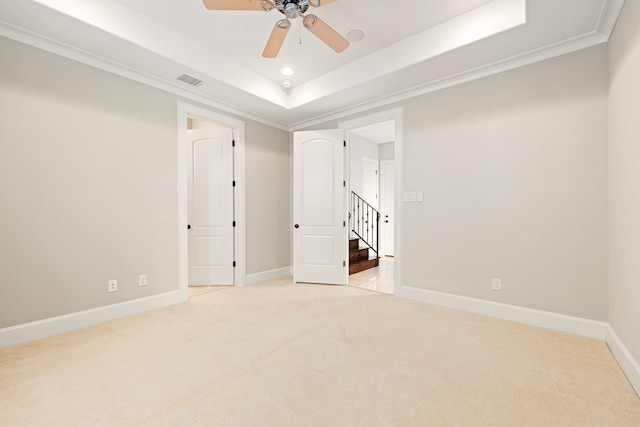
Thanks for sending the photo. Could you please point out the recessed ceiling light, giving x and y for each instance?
(286, 84)
(355, 35)
(287, 71)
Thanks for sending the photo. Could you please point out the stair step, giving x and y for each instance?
(363, 265)
(358, 255)
(354, 244)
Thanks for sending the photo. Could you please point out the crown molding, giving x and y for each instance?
(49, 45)
(607, 20)
(533, 56)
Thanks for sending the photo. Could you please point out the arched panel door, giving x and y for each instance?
(319, 211)
(210, 192)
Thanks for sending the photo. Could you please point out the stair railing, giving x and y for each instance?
(365, 222)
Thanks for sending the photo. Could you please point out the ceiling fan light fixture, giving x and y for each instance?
(291, 10)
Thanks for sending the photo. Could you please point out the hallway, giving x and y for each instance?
(378, 279)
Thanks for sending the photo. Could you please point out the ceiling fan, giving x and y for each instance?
(291, 9)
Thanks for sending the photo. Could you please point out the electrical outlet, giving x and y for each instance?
(113, 286)
(496, 284)
(142, 280)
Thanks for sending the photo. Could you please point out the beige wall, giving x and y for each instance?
(514, 173)
(624, 178)
(88, 187)
(359, 148)
(385, 151)
(513, 168)
(268, 198)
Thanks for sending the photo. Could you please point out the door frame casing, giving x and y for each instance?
(186, 111)
(397, 115)
(384, 168)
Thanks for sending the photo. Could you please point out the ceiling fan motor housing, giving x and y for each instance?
(292, 8)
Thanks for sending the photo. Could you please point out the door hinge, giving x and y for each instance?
(234, 263)
(344, 263)
(344, 223)
(233, 142)
(344, 184)
(234, 223)
(344, 142)
(233, 183)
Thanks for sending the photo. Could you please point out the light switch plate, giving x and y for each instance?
(409, 196)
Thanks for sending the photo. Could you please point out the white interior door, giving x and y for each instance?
(370, 181)
(319, 207)
(388, 173)
(210, 192)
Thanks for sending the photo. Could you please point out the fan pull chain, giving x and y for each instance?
(300, 32)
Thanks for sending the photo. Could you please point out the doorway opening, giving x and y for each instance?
(211, 194)
(375, 154)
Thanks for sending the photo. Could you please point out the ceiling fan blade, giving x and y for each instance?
(324, 32)
(238, 5)
(276, 38)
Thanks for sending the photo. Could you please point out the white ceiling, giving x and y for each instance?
(380, 133)
(411, 47)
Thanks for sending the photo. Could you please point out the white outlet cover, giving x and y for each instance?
(496, 284)
(112, 286)
(142, 280)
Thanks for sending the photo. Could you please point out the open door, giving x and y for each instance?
(319, 207)
(387, 197)
(210, 196)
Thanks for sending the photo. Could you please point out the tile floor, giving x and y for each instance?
(379, 279)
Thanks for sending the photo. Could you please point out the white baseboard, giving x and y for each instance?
(544, 319)
(278, 273)
(56, 325)
(625, 359)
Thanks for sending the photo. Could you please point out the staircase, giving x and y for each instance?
(359, 258)
(364, 221)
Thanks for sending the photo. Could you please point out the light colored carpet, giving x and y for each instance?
(280, 354)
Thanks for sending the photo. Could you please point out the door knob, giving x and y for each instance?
(188, 226)
(296, 226)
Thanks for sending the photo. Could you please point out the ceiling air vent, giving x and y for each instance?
(190, 80)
